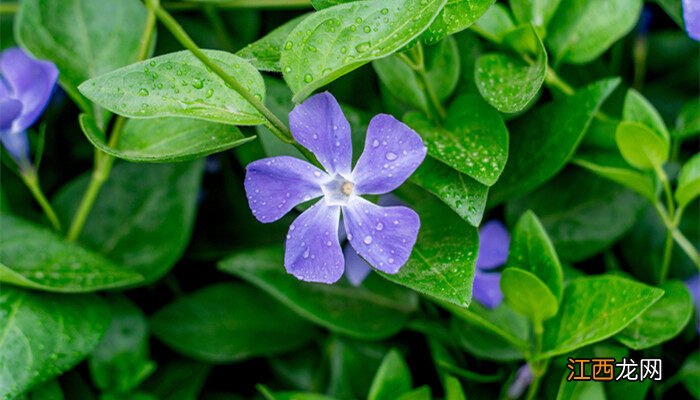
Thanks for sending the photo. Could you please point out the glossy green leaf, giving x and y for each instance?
(495, 23)
(372, 311)
(461, 193)
(166, 139)
(350, 362)
(177, 380)
(594, 309)
(228, 322)
(580, 223)
(422, 393)
(690, 373)
(270, 395)
(392, 379)
(453, 389)
(321, 4)
(264, 53)
(662, 321)
(581, 390)
(443, 258)
(688, 121)
(143, 216)
(640, 146)
(538, 12)
(35, 257)
(581, 30)
(609, 167)
(507, 81)
(120, 361)
(179, 85)
(456, 16)
(638, 109)
(532, 250)
(85, 39)
(543, 140)
(332, 42)
(525, 293)
(45, 335)
(473, 140)
(688, 181)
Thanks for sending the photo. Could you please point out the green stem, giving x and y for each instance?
(639, 56)
(285, 4)
(552, 79)
(417, 64)
(666, 260)
(687, 247)
(668, 216)
(534, 387)
(8, 8)
(31, 179)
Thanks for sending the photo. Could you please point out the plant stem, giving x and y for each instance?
(417, 64)
(666, 260)
(31, 179)
(8, 8)
(286, 4)
(552, 79)
(668, 221)
(687, 247)
(104, 161)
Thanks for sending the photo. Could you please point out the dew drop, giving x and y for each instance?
(306, 253)
(368, 239)
(197, 83)
(362, 47)
(380, 226)
(391, 156)
(143, 92)
(375, 143)
(308, 78)
(209, 93)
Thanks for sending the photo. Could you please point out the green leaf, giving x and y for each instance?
(35, 257)
(443, 258)
(690, 373)
(44, 335)
(640, 146)
(392, 379)
(179, 85)
(166, 139)
(332, 42)
(321, 4)
(507, 81)
(638, 109)
(581, 30)
(462, 194)
(688, 181)
(532, 250)
(374, 310)
(453, 389)
(143, 216)
(228, 322)
(349, 363)
(538, 12)
(525, 293)
(269, 395)
(456, 16)
(580, 223)
(120, 361)
(442, 69)
(495, 23)
(85, 39)
(581, 390)
(474, 139)
(422, 393)
(264, 53)
(543, 140)
(614, 168)
(178, 380)
(594, 309)
(662, 321)
(688, 121)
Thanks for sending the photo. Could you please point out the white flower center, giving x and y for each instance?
(338, 190)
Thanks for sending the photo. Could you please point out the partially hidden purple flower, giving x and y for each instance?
(693, 284)
(523, 379)
(494, 241)
(26, 85)
(691, 17)
(382, 236)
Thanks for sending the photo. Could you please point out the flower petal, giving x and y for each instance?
(276, 185)
(313, 252)
(392, 152)
(691, 17)
(487, 289)
(31, 81)
(9, 110)
(16, 143)
(356, 269)
(494, 241)
(320, 125)
(383, 236)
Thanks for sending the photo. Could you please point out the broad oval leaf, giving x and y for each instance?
(473, 140)
(507, 81)
(614, 168)
(143, 216)
(179, 85)
(392, 380)
(688, 121)
(461, 193)
(45, 335)
(594, 309)
(374, 310)
(544, 139)
(538, 12)
(640, 146)
(166, 139)
(264, 53)
(495, 23)
(688, 181)
(456, 16)
(85, 39)
(638, 109)
(332, 42)
(228, 322)
(443, 258)
(35, 257)
(662, 321)
(525, 293)
(581, 30)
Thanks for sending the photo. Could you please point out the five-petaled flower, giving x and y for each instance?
(25, 89)
(493, 252)
(383, 236)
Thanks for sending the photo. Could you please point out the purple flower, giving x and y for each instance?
(26, 86)
(493, 252)
(522, 380)
(693, 284)
(691, 17)
(382, 236)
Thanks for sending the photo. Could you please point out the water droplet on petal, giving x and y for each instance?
(368, 239)
(375, 143)
(391, 156)
(380, 226)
